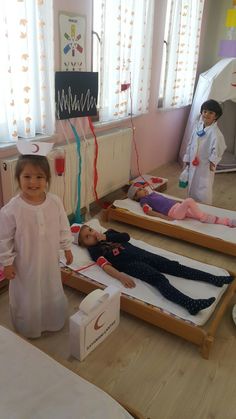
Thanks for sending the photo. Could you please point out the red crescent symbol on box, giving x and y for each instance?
(36, 148)
(98, 326)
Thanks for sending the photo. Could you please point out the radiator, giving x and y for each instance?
(113, 166)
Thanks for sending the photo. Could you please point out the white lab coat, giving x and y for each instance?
(209, 148)
(30, 239)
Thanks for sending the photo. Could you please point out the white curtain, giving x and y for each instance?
(184, 26)
(26, 70)
(125, 28)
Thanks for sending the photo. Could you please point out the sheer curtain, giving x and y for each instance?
(26, 70)
(184, 25)
(125, 28)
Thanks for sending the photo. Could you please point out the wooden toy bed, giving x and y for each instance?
(89, 277)
(172, 229)
(35, 385)
(202, 336)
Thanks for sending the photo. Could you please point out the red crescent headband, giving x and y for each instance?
(36, 148)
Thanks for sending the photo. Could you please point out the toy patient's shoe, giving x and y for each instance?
(232, 223)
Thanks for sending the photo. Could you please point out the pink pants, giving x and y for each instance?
(189, 209)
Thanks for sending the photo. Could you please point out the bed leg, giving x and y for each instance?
(105, 215)
(206, 346)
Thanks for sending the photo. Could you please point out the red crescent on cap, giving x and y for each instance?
(36, 148)
(98, 326)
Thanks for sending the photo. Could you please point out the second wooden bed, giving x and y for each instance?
(172, 229)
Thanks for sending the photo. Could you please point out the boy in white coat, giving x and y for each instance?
(204, 152)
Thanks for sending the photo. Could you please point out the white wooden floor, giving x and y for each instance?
(161, 375)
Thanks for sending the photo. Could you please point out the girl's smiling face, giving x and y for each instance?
(33, 183)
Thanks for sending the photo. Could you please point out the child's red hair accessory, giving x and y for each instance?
(75, 229)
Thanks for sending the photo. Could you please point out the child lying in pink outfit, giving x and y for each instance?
(158, 205)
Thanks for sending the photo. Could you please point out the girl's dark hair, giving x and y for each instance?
(80, 241)
(214, 106)
(36, 161)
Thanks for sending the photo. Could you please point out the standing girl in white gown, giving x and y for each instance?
(33, 228)
(204, 152)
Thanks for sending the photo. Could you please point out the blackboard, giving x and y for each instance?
(76, 94)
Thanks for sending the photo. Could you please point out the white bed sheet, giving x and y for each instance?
(148, 293)
(218, 231)
(35, 386)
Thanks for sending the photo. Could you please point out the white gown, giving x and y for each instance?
(209, 148)
(30, 238)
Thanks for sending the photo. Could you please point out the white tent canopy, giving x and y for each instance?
(218, 83)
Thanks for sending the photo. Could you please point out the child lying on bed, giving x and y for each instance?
(122, 260)
(158, 205)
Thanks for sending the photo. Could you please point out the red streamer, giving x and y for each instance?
(133, 136)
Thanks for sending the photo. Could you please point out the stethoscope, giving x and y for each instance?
(200, 131)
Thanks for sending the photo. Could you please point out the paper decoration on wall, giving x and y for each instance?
(76, 94)
(72, 42)
(228, 46)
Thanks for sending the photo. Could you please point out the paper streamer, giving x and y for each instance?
(87, 165)
(78, 217)
(95, 173)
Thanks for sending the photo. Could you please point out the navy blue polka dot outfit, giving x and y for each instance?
(151, 268)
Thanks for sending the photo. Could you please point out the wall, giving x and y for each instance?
(158, 133)
(158, 140)
(213, 32)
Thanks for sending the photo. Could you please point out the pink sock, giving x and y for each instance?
(232, 223)
(225, 221)
(209, 219)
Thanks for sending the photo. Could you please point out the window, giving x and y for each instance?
(180, 54)
(26, 71)
(122, 53)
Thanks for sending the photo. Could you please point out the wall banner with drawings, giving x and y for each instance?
(72, 41)
(76, 94)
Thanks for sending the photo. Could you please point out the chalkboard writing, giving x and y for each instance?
(76, 94)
